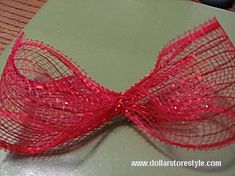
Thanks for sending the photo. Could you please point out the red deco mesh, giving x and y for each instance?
(48, 106)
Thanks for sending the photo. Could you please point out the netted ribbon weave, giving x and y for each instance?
(48, 105)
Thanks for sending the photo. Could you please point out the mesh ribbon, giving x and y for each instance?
(48, 105)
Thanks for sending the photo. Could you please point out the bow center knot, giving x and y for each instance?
(120, 104)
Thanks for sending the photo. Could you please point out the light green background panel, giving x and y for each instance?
(116, 42)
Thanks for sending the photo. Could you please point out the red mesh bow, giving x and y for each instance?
(48, 105)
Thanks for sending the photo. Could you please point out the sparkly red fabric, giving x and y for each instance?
(48, 105)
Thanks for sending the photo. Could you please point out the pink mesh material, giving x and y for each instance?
(49, 106)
